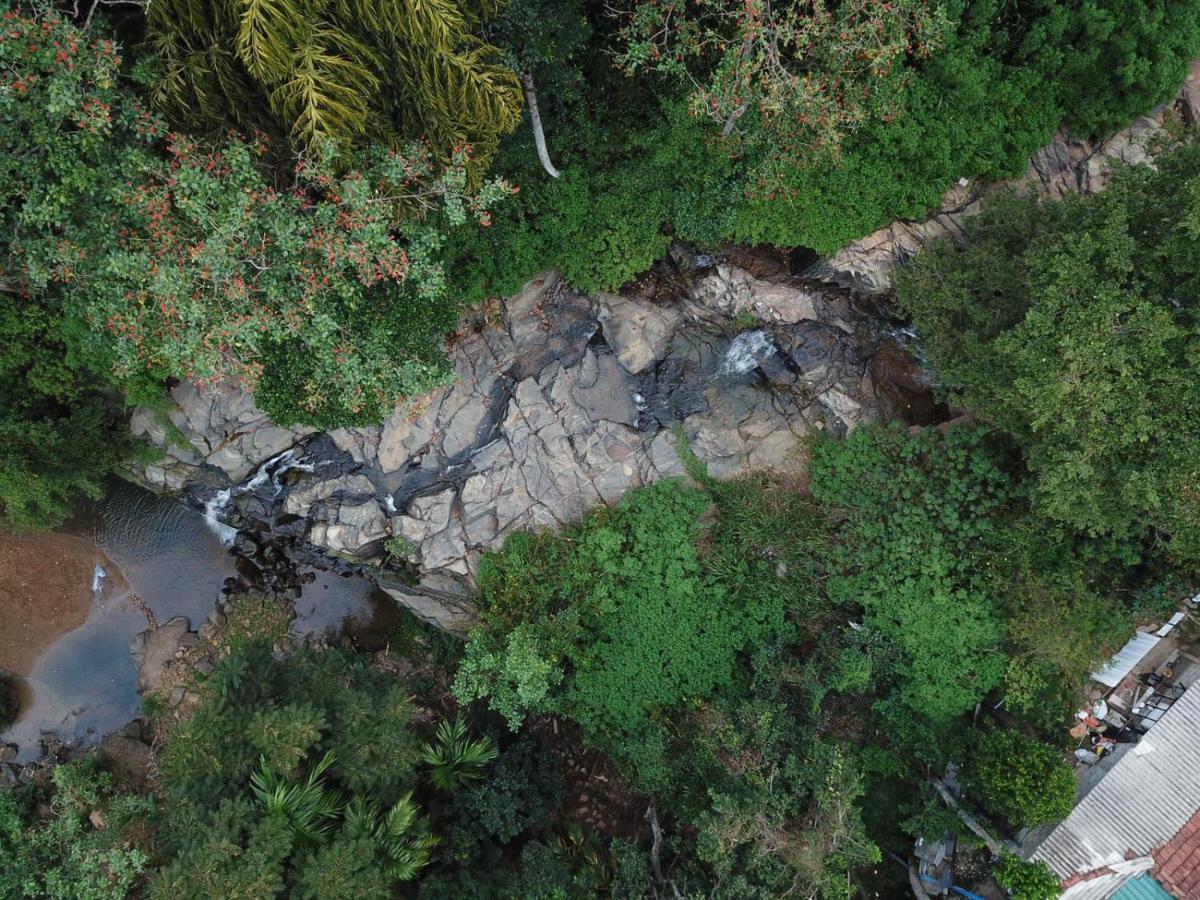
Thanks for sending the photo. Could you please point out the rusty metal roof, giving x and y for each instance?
(1145, 799)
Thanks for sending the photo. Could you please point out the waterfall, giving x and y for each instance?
(272, 470)
(213, 510)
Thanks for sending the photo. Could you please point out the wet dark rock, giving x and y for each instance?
(900, 378)
(818, 354)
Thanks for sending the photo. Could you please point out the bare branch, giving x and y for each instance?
(539, 136)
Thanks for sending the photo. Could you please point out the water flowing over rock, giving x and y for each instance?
(219, 427)
(566, 402)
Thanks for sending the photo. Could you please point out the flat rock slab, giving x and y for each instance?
(154, 648)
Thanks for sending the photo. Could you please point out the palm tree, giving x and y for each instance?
(401, 835)
(310, 809)
(390, 70)
(454, 758)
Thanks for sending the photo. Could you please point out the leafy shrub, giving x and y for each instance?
(921, 519)
(624, 598)
(804, 811)
(60, 433)
(306, 736)
(61, 115)
(228, 850)
(1027, 880)
(1023, 780)
(522, 788)
(1068, 325)
(70, 855)
(1119, 60)
(515, 673)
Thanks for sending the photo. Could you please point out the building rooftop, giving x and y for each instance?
(1144, 802)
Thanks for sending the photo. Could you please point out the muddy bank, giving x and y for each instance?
(46, 583)
(73, 603)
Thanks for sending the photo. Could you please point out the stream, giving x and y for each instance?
(69, 606)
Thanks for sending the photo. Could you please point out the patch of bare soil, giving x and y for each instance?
(597, 797)
(45, 592)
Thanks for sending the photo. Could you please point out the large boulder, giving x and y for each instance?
(154, 649)
(128, 758)
(218, 426)
(638, 331)
(734, 292)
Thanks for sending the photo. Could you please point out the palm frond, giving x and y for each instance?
(308, 807)
(454, 758)
(404, 839)
(268, 30)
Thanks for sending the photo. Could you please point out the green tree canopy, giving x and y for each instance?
(1073, 327)
(1020, 778)
(920, 526)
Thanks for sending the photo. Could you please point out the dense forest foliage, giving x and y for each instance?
(304, 198)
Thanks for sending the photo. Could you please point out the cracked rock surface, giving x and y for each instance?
(566, 403)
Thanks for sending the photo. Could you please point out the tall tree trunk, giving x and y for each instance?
(539, 136)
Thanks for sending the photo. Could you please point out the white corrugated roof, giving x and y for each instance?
(1126, 658)
(1104, 886)
(1149, 794)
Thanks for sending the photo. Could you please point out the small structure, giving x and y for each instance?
(935, 858)
(1141, 819)
(1136, 649)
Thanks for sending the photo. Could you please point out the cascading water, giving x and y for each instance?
(746, 351)
(216, 505)
(271, 471)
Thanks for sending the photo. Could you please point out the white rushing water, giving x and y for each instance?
(271, 470)
(213, 510)
(746, 351)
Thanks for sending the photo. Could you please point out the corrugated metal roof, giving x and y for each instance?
(1126, 658)
(1102, 887)
(1142, 888)
(1148, 796)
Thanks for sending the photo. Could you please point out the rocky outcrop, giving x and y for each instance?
(566, 402)
(128, 756)
(219, 427)
(154, 649)
(1066, 166)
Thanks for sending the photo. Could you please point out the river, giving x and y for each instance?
(70, 604)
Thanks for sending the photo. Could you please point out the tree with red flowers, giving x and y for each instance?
(796, 76)
(318, 288)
